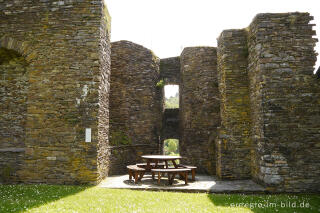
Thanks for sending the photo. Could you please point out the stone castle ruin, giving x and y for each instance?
(76, 108)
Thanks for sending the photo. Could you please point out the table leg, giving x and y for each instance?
(159, 177)
(172, 178)
(135, 177)
(174, 164)
(193, 171)
(148, 167)
(130, 174)
(182, 175)
(166, 162)
(186, 178)
(141, 175)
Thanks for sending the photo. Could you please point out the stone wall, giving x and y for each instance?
(170, 126)
(62, 44)
(270, 103)
(233, 144)
(13, 116)
(104, 89)
(135, 105)
(170, 70)
(55, 83)
(285, 102)
(199, 107)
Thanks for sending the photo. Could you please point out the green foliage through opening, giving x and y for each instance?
(172, 102)
(171, 147)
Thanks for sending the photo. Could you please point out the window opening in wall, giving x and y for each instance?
(171, 93)
(171, 147)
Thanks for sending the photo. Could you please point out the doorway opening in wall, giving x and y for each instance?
(171, 93)
(171, 147)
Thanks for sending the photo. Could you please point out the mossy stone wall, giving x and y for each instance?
(135, 105)
(13, 116)
(65, 44)
(233, 143)
(285, 102)
(170, 126)
(248, 108)
(270, 103)
(170, 70)
(199, 107)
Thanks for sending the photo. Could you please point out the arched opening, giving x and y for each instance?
(13, 108)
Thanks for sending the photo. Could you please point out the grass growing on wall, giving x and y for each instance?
(51, 198)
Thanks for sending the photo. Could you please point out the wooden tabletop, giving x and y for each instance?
(161, 157)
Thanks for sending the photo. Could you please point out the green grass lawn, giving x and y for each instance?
(50, 198)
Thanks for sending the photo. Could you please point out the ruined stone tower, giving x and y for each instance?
(54, 68)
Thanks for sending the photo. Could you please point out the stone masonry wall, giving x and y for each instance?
(170, 70)
(55, 81)
(13, 116)
(233, 143)
(104, 89)
(62, 44)
(135, 105)
(285, 102)
(199, 107)
(170, 126)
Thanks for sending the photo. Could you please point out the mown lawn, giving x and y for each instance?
(50, 198)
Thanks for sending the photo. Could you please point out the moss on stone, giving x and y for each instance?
(107, 17)
(118, 138)
(6, 173)
(8, 55)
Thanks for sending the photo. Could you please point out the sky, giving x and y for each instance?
(167, 26)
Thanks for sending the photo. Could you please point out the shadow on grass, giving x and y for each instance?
(19, 198)
(268, 203)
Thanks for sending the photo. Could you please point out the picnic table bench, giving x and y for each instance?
(160, 164)
(136, 172)
(172, 172)
(193, 170)
(144, 165)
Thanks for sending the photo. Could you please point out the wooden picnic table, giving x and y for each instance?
(155, 165)
(160, 158)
